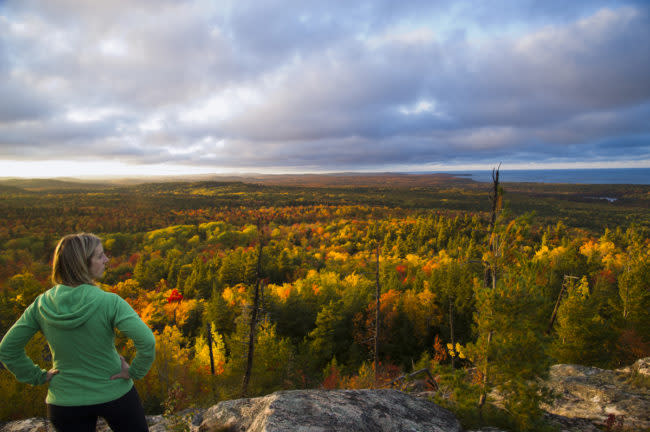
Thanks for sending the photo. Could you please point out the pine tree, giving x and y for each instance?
(634, 293)
(510, 316)
(582, 335)
(509, 322)
(255, 309)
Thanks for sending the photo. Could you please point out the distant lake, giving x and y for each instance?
(588, 176)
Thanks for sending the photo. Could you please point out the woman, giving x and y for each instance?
(88, 378)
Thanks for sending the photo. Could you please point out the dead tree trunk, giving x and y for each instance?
(494, 197)
(491, 274)
(377, 297)
(495, 202)
(566, 280)
(210, 341)
(209, 329)
(482, 397)
(451, 331)
(254, 312)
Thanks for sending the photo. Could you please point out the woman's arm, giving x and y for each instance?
(128, 322)
(12, 350)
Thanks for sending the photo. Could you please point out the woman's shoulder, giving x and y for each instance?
(94, 293)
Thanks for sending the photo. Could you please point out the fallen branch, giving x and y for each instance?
(431, 381)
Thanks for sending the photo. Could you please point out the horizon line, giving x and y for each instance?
(455, 171)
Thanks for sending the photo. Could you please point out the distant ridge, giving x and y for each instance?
(35, 185)
(344, 179)
(351, 179)
(10, 189)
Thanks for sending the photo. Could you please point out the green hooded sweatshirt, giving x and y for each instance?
(78, 323)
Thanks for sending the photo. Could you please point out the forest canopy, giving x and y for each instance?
(559, 275)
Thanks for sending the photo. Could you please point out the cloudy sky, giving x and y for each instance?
(172, 86)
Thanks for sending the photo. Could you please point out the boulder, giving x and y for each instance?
(568, 424)
(156, 424)
(330, 410)
(487, 429)
(302, 410)
(587, 398)
(589, 393)
(32, 425)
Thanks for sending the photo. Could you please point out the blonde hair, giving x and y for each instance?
(71, 262)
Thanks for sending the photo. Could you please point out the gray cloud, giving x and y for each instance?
(317, 85)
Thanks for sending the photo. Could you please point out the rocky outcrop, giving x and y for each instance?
(306, 410)
(330, 410)
(593, 394)
(156, 424)
(32, 425)
(586, 398)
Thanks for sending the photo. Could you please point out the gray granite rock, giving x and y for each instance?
(330, 410)
(487, 429)
(594, 394)
(586, 397)
(156, 424)
(32, 424)
(302, 411)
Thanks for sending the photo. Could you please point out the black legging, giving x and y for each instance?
(122, 414)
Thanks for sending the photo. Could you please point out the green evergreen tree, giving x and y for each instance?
(582, 335)
(510, 313)
(220, 314)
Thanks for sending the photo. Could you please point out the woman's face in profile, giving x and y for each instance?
(98, 263)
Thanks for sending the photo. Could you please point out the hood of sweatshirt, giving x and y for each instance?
(69, 307)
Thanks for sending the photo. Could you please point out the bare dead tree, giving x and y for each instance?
(254, 312)
(429, 380)
(566, 281)
(496, 202)
(494, 197)
(210, 342)
(377, 297)
(209, 330)
(451, 331)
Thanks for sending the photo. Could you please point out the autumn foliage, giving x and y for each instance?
(188, 265)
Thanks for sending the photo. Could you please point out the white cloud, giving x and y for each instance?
(89, 115)
(222, 106)
(323, 85)
(113, 47)
(422, 106)
(417, 36)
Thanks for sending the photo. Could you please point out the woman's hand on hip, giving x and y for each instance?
(124, 373)
(50, 374)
